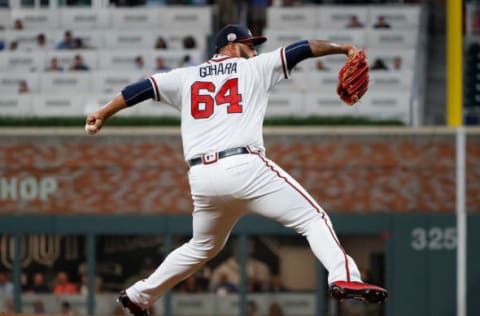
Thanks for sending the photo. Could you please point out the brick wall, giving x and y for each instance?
(131, 172)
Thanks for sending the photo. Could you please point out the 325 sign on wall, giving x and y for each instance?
(434, 238)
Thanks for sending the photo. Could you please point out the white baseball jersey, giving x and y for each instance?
(223, 101)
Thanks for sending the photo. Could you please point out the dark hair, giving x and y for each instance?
(189, 42)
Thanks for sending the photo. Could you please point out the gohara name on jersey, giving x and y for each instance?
(218, 69)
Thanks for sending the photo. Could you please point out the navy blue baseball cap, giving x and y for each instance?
(235, 33)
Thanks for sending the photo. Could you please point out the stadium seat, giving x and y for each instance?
(280, 38)
(139, 18)
(12, 104)
(386, 105)
(391, 38)
(391, 81)
(398, 16)
(319, 82)
(22, 61)
(300, 18)
(357, 36)
(175, 38)
(285, 104)
(9, 81)
(84, 18)
(65, 82)
(129, 39)
(36, 19)
(58, 104)
(6, 21)
(338, 17)
(154, 108)
(184, 18)
(298, 82)
(175, 58)
(121, 60)
(389, 54)
(111, 82)
(93, 102)
(326, 104)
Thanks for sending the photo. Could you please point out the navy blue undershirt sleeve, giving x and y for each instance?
(296, 52)
(137, 92)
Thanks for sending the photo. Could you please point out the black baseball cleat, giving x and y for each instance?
(358, 291)
(133, 308)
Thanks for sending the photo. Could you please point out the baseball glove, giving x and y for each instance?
(353, 78)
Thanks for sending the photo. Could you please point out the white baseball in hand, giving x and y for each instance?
(90, 129)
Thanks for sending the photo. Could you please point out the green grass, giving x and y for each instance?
(172, 121)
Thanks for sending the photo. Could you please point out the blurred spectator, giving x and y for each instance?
(23, 87)
(148, 267)
(18, 24)
(63, 285)
(8, 307)
(275, 310)
(38, 284)
(139, 63)
(320, 65)
(276, 284)
(186, 61)
(257, 16)
(381, 23)
(379, 64)
(6, 293)
(160, 65)
(354, 22)
(161, 43)
(41, 41)
(66, 309)
(54, 66)
(38, 307)
(189, 42)
(84, 284)
(128, 3)
(224, 285)
(68, 42)
(228, 12)
(254, 285)
(6, 287)
(13, 45)
(2, 44)
(118, 310)
(151, 311)
(252, 308)
(397, 63)
(190, 286)
(78, 43)
(78, 64)
(256, 270)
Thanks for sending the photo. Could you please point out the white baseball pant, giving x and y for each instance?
(224, 191)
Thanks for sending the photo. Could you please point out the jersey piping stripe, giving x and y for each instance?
(282, 55)
(313, 204)
(221, 59)
(157, 95)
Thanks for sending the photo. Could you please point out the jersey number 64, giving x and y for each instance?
(204, 104)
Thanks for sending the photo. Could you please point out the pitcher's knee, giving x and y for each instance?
(309, 224)
(204, 250)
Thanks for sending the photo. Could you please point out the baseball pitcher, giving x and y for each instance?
(222, 104)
